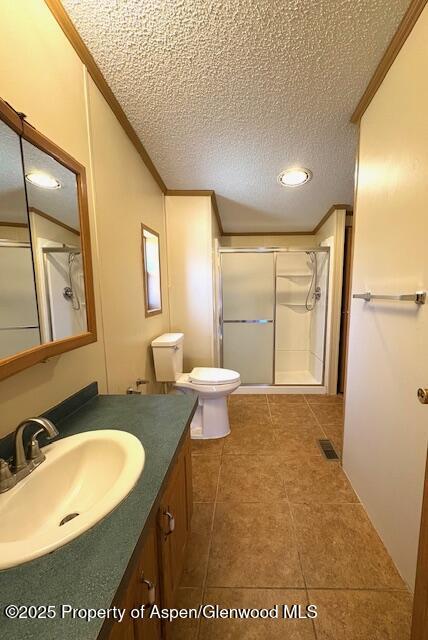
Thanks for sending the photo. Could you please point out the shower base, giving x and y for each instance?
(280, 389)
(295, 377)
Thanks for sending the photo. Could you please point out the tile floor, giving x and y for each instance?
(275, 523)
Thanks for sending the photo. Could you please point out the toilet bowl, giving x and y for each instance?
(212, 386)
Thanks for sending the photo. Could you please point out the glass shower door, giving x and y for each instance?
(248, 298)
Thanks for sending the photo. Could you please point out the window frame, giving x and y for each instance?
(150, 312)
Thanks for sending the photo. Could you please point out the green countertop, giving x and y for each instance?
(86, 572)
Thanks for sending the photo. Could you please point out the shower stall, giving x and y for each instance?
(273, 315)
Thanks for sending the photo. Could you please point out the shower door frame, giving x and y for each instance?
(275, 251)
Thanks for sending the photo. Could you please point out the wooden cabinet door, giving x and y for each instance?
(187, 453)
(146, 589)
(173, 527)
(143, 589)
(122, 630)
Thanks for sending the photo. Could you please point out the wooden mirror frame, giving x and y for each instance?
(150, 312)
(20, 361)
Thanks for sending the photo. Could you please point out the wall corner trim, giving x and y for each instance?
(334, 207)
(200, 192)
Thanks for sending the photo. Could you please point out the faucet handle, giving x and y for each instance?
(34, 454)
(7, 479)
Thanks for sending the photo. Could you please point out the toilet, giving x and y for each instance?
(211, 384)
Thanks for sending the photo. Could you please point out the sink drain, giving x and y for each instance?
(67, 518)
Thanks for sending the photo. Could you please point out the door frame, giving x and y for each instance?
(420, 598)
(345, 308)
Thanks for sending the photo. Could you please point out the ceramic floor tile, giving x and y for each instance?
(205, 472)
(289, 416)
(324, 399)
(250, 478)
(253, 545)
(251, 439)
(248, 413)
(286, 398)
(339, 548)
(214, 447)
(185, 629)
(317, 480)
(262, 629)
(254, 399)
(328, 414)
(291, 446)
(362, 615)
(198, 545)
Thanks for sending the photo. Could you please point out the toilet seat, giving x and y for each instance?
(213, 376)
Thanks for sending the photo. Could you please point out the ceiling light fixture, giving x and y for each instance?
(294, 177)
(43, 180)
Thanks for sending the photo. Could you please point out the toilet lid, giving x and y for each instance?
(211, 375)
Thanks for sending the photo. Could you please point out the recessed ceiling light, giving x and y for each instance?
(294, 177)
(43, 180)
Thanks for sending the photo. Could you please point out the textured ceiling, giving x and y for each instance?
(225, 94)
(13, 206)
(58, 203)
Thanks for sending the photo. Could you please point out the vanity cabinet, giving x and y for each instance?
(174, 524)
(156, 567)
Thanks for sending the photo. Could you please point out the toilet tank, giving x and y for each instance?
(168, 356)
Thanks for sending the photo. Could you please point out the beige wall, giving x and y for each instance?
(385, 426)
(125, 195)
(268, 241)
(191, 234)
(43, 77)
(18, 234)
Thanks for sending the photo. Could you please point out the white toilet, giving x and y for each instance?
(212, 385)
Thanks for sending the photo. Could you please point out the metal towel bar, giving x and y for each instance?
(419, 297)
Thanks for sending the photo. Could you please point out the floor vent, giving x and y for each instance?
(328, 450)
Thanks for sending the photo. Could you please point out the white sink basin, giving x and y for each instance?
(88, 474)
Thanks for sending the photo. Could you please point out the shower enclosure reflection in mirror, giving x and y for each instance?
(46, 288)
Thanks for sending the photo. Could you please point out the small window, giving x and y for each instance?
(152, 278)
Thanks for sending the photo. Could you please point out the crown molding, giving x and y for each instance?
(404, 29)
(70, 31)
(67, 26)
(334, 207)
(200, 192)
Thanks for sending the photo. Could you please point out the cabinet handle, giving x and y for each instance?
(171, 522)
(151, 589)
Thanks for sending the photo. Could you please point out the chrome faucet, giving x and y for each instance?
(21, 464)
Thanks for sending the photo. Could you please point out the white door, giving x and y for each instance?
(386, 427)
(248, 297)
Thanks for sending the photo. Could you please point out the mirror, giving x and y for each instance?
(19, 322)
(46, 293)
(53, 212)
